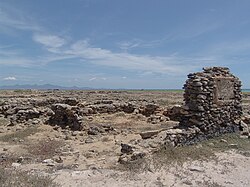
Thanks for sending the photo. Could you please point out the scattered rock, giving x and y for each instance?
(196, 169)
(137, 155)
(94, 130)
(149, 134)
(244, 128)
(89, 140)
(49, 162)
(15, 165)
(223, 140)
(125, 148)
(59, 160)
(244, 137)
(233, 146)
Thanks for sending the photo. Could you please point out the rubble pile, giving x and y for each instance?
(66, 116)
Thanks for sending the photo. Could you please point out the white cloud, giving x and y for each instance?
(98, 79)
(58, 49)
(138, 43)
(92, 79)
(10, 78)
(157, 64)
(50, 41)
(126, 45)
(15, 19)
(17, 61)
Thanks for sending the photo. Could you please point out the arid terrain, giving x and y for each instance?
(74, 138)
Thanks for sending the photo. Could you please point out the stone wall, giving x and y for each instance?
(212, 101)
(212, 107)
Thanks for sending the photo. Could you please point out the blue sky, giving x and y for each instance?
(121, 43)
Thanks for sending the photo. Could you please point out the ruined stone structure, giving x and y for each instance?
(212, 107)
(212, 101)
(65, 116)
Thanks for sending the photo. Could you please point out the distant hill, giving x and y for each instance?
(41, 87)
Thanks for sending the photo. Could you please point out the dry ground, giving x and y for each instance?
(45, 156)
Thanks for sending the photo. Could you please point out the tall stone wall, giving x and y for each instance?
(212, 101)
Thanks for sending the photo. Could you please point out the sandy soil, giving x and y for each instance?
(230, 170)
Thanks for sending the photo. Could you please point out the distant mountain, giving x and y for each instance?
(53, 87)
(41, 87)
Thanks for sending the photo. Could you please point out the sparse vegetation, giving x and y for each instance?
(204, 150)
(169, 156)
(137, 166)
(7, 159)
(11, 178)
(45, 148)
(19, 135)
(3, 122)
(209, 183)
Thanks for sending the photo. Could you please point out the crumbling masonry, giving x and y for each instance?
(212, 106)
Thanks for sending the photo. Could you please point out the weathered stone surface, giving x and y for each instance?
(148, 109)
(94, 131)
(149, 134)
(176, 113)
(65, 116)
(244, 128)
(212, 104)
(125, 148)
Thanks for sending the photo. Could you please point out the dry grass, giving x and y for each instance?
(11, 178)
(136, 166)
(7, 159)
(45, 149)
(19, 135)
(206, 150)
(3, 121)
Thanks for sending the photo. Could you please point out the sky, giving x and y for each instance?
(137, 44)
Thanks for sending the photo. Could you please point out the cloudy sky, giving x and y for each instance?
(121, 43)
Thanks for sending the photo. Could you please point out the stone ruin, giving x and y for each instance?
(212, 106)
(65, 116)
